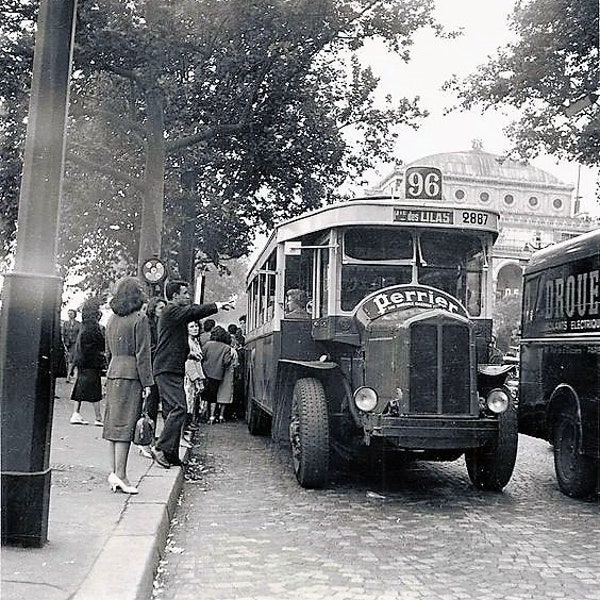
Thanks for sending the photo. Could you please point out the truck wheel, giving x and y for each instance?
(491, 467)
(577, 475)
(309, 433)
(258, 421)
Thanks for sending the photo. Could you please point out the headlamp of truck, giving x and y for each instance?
(365, 399)
(497, 401)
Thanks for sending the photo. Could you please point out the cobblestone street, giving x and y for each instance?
(246, 530)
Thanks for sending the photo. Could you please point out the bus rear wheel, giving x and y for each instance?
(491, 467)
(577, 475)
(309, 433)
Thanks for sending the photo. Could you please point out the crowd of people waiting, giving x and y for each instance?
(156, 354)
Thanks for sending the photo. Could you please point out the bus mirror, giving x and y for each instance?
(292, 248)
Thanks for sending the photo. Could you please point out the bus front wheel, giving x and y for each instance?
(491, 467)
(577, 475)
(309, 433)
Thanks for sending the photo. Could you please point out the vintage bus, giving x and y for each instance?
(559, 385)
(389, 349)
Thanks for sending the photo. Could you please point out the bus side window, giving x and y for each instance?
(474, 282)
(253, 305)
(268, 290)
(299, 272)
(323, 283)
(261, 295)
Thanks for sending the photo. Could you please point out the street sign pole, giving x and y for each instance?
(29, 318)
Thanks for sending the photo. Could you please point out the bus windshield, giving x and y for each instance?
(376, 258)
(454, 263)
(359, 281)
(378, 244)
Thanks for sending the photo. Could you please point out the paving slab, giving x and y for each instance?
(101, 545)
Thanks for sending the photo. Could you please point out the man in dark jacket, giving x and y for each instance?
(169, 365)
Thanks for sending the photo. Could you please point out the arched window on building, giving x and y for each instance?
(509, 281)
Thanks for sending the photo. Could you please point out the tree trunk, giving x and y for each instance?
(153, 204)
(188, 226)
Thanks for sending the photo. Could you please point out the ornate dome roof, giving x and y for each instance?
(484, 165)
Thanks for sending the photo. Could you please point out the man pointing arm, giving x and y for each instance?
(169, 364)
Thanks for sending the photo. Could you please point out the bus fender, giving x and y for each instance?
(288, 372)
(309, 364)
(563, 396)
(494, 370)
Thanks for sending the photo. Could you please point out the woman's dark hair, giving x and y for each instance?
(218, 334)
(208, 325)
(232, 328)
(90, 310)
(129, 296)
(152, 304)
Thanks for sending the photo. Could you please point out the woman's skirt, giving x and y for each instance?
(225, 393)
(123, 409)
(211, 388)
(88, 387)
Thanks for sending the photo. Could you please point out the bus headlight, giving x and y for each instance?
(497, 401)
(365, 399)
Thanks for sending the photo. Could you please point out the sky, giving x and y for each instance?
(434, 61)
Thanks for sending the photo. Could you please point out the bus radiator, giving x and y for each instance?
(439, 369)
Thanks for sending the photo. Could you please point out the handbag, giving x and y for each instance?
(143, 434)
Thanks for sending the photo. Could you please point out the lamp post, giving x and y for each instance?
(29, 318)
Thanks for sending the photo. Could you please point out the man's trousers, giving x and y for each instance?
(174, 409)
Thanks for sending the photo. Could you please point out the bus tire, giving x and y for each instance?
(577, 475)
(257, 420)
(490, 467)
(309, 433)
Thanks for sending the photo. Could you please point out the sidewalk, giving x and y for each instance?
(101, 545)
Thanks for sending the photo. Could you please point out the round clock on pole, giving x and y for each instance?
(154, 271)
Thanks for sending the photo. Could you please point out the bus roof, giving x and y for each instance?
(582, 246)
(379, 211)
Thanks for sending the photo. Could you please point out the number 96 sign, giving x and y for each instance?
(423, 183)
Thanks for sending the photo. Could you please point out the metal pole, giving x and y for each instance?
(29, 318)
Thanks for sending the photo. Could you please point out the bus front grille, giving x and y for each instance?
(439, 369)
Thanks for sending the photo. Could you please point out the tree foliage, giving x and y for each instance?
(553, 63)
(17, 20)
(257, 99)
(228, 280)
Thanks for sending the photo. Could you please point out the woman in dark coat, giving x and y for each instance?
(89, 360)
(129, 374)
(217, 356)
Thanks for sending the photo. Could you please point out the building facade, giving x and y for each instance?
(536, 208)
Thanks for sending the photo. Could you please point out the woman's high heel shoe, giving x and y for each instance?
(117, 484)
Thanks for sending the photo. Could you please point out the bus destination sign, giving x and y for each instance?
(420, 215)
